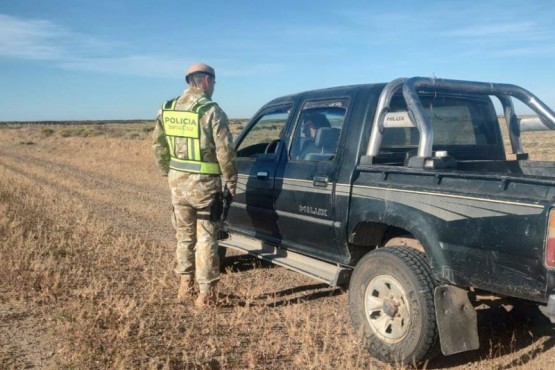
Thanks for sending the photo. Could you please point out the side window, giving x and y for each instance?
(318, 129)
(263, 136)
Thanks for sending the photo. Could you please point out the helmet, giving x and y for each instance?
(199, 68)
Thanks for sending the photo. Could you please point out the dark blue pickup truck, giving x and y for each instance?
(403, 191)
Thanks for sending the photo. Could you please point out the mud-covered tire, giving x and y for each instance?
(391, 301)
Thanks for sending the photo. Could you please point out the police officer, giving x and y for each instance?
(193, 147)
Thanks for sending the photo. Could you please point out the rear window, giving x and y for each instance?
(455, 121)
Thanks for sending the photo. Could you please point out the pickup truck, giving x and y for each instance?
(405, 192)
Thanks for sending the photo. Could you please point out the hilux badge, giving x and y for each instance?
(313, 210)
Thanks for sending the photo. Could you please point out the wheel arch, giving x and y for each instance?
(366, 236)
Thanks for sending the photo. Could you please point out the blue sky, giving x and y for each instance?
(110, 59)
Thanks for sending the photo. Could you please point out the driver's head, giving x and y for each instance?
(312, 122)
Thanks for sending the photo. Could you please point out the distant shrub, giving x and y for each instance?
(68, 132)
(47, 131)
(116, 133)
(124, 131)
(80, 132)
(90, 132)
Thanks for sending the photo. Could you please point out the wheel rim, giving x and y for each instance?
(387, 308)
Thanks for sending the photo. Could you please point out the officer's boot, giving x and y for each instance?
(207, 296)
(186, 288)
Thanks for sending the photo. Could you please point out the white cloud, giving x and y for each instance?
(505, 39)
(256, 69)
(29, 39)
(536, 51)
(39, 39)
(513, 30)
(165, 67)
(45, 41)
(136, 65)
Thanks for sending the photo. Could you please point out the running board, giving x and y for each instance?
(323, 271)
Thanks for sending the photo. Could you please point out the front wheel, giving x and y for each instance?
(391, 301)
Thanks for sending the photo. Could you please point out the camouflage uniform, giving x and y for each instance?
(193, 194)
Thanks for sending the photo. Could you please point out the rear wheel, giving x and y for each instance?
(391, 300)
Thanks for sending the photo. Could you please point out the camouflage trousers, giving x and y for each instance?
(197, 244)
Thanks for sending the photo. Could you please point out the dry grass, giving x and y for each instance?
(86, 250)
(538, 144)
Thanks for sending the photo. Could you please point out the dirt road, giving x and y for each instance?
(87, 254)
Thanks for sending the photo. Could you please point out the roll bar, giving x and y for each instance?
(417, 114)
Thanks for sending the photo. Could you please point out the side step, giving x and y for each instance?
(323, 271)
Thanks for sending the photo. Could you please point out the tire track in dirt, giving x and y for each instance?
(85, 177)
(141, 221)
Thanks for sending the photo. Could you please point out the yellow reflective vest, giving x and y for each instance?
(186, 125)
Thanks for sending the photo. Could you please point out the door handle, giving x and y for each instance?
(262, 175)
(321, 181)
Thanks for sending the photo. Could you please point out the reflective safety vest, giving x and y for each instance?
(186, 125)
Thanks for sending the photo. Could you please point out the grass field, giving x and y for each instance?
(87, 251)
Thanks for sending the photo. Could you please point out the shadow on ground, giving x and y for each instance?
(242, 263)
(291, 296)
(287, 297)
(502, 333)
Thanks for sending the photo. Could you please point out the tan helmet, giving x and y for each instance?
(199, 68)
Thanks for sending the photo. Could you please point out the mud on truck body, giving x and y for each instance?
(408, 197)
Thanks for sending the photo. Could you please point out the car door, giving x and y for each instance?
(252, 211)
(306, 178)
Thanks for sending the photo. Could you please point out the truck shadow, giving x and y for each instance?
(299, 294)
(244, 262)
(286, 297)
(524, 330)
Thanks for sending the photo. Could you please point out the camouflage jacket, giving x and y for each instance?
(216, 145)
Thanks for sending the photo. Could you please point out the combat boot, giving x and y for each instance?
(207, 297)
(186, 288)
